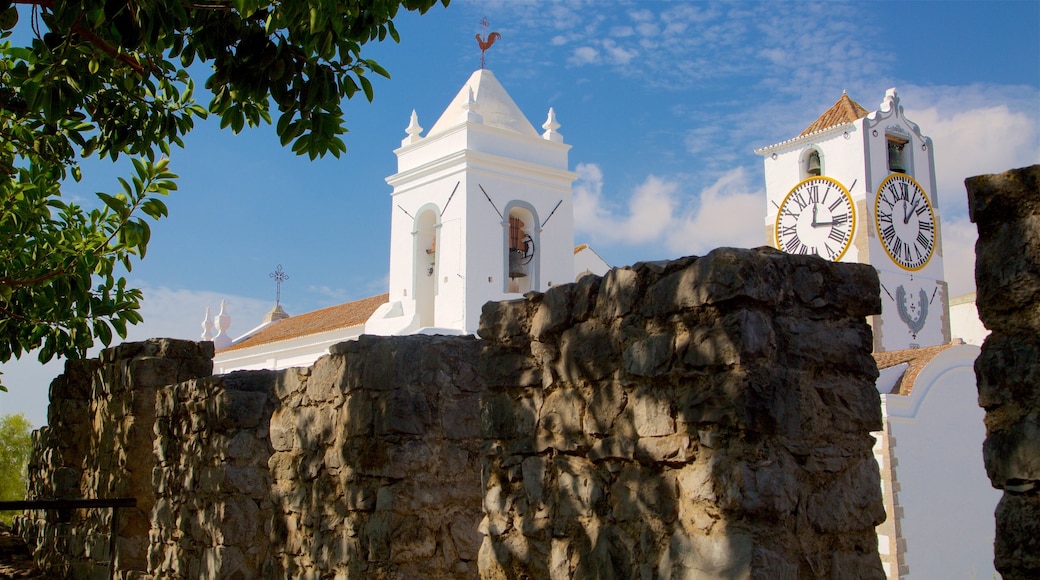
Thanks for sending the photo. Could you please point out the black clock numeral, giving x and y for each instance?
(814, 193)
(889, 234)
(800, 200)
(922, 241)
(906, 254)
(835, 205)
(836, 235)
(831, 253)
(840, 219)
(929, 226)
(885, 218)
(791, 230)
(921, 209)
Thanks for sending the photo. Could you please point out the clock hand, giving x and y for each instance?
(814, 224)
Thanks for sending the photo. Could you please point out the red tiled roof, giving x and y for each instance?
(916, 359)
(324, 320)
(844, 111)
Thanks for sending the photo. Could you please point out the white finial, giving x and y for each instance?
(222, 322)
(207, 327)
(469, 110)
(891, 100)
(413, 130)
(551, 126)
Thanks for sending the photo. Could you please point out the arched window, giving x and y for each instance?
(896, 159)
(521, 251)
(425, 270)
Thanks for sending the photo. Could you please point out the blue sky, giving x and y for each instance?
(663, 103)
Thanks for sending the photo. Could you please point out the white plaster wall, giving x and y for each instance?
(947, 499)
(964, 320)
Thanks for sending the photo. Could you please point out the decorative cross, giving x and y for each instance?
(486, 44)
(279, 276)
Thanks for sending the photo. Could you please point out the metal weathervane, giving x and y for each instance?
(279, 276)
(486, 44)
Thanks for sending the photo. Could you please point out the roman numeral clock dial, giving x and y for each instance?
(816, 217)
(905, 221)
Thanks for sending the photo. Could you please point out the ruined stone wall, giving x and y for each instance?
(98, 444)
(1006, 210)
(708, 417)
(365, 465)
(703, 418)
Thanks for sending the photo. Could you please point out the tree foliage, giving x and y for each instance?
(15, 444)
(108, 78)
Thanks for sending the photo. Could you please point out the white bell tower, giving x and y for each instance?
(481, 211)
(881, 163)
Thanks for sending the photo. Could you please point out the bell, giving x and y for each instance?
(895, 157)
(517, 267)
(814, 163)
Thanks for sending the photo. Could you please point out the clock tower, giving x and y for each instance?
(859, 186)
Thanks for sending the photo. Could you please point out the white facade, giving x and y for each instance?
(855, 151)
(454, 193)
(939, 501)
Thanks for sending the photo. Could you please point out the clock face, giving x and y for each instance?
(816, 217)
(905, 221)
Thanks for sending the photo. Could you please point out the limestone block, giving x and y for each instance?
(460, 417)
(505, 322)
(587, 352)
(1012, 456)
(1017, 545)
(404, 410)
(559, 421)
(283, 430)
(236, 409)
(651, 412)
(849, 502)
(586, 292)
(579, 487)
(605, 404)
(1008, 373)
(1007, 265)
(613, 448)
(707, 556)
(553, 310)
(618, 293)
(649, 356)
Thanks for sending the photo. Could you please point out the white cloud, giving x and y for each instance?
(958, 242)
(727, 213)
(731, 213)
(584, 55)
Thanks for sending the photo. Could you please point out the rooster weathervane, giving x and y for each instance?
(486, 44)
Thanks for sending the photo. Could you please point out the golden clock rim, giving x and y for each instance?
(844, 192)
(931, 211)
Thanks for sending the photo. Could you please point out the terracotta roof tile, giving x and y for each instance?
(324, 320)
(844, 111)
(916, 359)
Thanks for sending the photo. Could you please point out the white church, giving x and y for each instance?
(855, 186)
(482, 172)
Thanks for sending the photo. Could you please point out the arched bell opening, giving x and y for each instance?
(425, 275)
(812, 164)
(521, 250)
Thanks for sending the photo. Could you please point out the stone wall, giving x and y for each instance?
(98, 444)
(707, 417)
(703, 418)
(365, 465)
(1006, 210)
